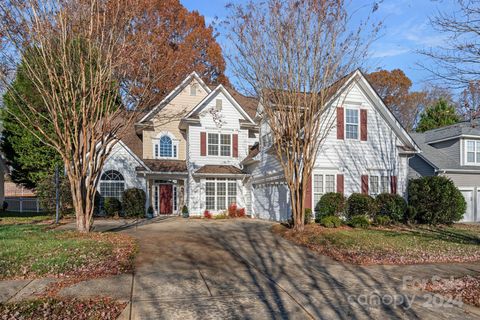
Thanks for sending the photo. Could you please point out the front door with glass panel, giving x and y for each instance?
(166, 198)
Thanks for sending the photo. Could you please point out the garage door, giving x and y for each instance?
(271, 202)
(469, 212)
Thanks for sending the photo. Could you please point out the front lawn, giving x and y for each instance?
(29, 251)
(396, 245)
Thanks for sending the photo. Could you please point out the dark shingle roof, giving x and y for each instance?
(219, 169)
(464, 127)
(253, 151)
(166, 166)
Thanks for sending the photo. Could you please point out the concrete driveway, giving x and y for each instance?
(196, 269)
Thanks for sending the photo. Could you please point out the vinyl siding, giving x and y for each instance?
(464, 179)
(178, 106)
(419, 168)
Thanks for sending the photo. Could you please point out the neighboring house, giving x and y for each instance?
(453, 152)
(201, 147)
(366, 151)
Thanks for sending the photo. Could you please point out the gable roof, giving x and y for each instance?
(221, 89)
(453, 131)
(388, 115)
(173, 94)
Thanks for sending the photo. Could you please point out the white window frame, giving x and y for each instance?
(357, 110)
(476, 152)
(324, 185)
(383, 184)
(219, 144)
(156, 146)
(216, 196)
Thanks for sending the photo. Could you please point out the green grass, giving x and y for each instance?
(32, 250)
(396, 245)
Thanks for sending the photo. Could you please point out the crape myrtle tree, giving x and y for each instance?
(78, 68)
(292, 54)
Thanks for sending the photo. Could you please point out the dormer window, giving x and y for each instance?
(472, 152)
(166, 147)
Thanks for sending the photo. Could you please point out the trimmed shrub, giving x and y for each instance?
(382, 220)
(331, 222)
(391, 205)
(359, 222)
(133, 202)
(436, 199)
(410, 215)
(308, 216)
(112, 206)
(330, 204)
(360, 205)
(185, 212)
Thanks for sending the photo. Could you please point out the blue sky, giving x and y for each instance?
(406, 30)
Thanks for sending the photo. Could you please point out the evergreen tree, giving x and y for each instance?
(30, 159)
(439, 115)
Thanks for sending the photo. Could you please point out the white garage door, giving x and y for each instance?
(469, 212)
(271, 202)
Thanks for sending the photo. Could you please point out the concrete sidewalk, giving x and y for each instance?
(194, 269)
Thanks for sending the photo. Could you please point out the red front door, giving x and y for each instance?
(166, 194)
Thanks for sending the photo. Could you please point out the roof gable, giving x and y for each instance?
(378, 103)
(219, 89)
(173, 94)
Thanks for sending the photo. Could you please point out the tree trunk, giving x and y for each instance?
(296, 198)
(82, 204)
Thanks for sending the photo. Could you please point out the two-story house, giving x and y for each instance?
(207, 147)
(453, 152)
(366, 150)
(187, 151)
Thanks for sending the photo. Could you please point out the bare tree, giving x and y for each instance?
(75, 53)
(469, 105)
(458, 60)
(294, 54)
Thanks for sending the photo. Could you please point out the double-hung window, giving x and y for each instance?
(378, 184)
(219, 144)
(351, 123)
(473, 152)
(322, 183)
(220, 193)
(374, 185)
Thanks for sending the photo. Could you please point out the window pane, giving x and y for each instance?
(232, 189)
(318, 183)
(316, 199)
(471, 146)
(384, 184)
(329, 183)
(478, 151)
(351, 124)
(225, 141)
(166, 147)
(374, 184)
(210, 188)
(213, 144)
(221, 189)
(210, 203)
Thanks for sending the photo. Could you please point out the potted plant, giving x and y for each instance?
(185, 212)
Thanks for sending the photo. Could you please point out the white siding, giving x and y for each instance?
(123, 161)
(352, 158)
(231, 125)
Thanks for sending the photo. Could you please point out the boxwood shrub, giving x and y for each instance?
(112, 206)
(330, 204)
(133, 202)
(391, 205)
(359, 221)
(331, 222)
(360, 205)
(436, 199)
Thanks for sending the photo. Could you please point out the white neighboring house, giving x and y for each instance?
(213, 156)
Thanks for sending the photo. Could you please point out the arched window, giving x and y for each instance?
(166, 147)
(112, 184)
